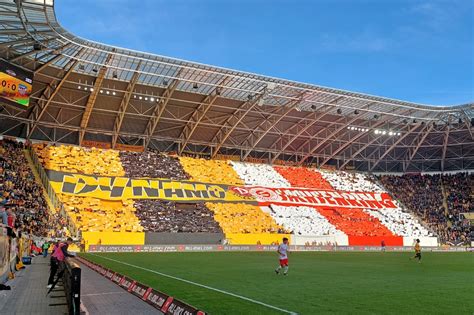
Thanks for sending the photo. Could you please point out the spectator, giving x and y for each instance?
(45, 248)
(423, 194)
(59, 255)
(169, 216)
(22, 200)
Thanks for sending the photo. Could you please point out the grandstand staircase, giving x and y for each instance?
(38, 180)
(445, 203)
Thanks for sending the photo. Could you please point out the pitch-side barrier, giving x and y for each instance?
(260, 248)
(161, 301)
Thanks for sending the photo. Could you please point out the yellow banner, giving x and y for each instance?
(121, 188)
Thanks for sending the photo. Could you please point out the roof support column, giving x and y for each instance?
(231, 123)
(198, 115)
(92, 98)
(445, 146)
(124, 105)
(47, 96)
(284, 111)
(159, 109)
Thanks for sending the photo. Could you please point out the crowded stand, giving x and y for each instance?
(169, 216)
(259, 175)
(243, 218)
(210, 171)
(153, 215)
(346, 181)
(90, 214)
(459, 198)
(399, 222)
(303, 177)
(355, 222)
(22, 204)
(152, 165)
(80, 160)
(96, 215)
(303, 220)
(162, 215)
(422, 194)
(459, 193)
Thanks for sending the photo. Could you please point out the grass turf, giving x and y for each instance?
(318, 282)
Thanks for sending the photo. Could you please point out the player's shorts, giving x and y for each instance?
(418, 255)
(284, 262)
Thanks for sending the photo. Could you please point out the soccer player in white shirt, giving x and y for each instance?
(283, 253)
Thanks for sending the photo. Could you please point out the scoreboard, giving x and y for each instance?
(16, 85)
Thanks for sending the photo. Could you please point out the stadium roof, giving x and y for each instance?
(85, 90)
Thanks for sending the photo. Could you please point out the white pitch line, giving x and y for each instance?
(201, 285)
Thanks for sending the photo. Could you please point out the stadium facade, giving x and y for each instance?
(87, 91)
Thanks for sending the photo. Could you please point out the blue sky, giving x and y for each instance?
(420, 51)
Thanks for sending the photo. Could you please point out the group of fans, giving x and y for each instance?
(22, 204)
(424, 194)
(23, 207)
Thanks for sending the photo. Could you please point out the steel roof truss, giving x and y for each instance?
(124, 105)
(158, 111)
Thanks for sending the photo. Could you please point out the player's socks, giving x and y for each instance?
(278, 270)
(285, 270)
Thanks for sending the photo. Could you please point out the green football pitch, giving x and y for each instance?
(318, 282)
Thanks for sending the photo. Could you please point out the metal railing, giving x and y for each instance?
(72, 285)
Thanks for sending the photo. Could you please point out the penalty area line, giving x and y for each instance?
(199, 285)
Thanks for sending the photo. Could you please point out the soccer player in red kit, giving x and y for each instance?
(283, 253)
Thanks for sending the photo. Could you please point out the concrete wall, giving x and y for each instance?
(183, 238)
